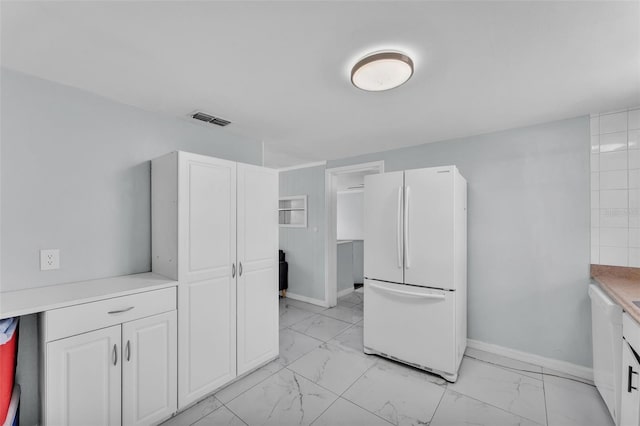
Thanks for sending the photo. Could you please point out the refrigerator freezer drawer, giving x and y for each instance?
(413, 324)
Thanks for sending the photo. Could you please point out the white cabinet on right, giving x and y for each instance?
(630, 392)
(257, 237)
(215, 230)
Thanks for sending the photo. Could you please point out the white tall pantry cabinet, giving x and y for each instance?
(215, 231)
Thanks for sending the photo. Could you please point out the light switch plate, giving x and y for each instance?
(49, 259)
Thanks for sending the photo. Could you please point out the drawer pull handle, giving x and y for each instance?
(233, 270)
(409, 293)
(121, 310)
(127, 350)
(115, 354)
(630, 380)
(240, 273)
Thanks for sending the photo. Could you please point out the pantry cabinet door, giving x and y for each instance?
(257, 266)
(207, 271)
(149, 369)
(83, 382)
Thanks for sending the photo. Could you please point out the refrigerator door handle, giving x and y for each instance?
(398, 228)
(407, 255)
(409, 293)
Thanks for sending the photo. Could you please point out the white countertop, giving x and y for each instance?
(34, 300)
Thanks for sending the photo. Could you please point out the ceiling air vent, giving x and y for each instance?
(201, 116)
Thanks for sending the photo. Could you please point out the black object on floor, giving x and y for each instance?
(283, 274)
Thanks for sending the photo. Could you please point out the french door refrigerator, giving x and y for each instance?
(415, 267)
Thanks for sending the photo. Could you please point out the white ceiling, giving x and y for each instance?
(280, 70)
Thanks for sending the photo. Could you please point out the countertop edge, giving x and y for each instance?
(612, 285)
(20, 301)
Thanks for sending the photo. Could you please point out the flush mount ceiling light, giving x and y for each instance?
(381, 71)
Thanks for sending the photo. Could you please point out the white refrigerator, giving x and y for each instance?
(415, 267)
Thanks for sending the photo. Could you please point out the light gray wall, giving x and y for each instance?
(358, 261)
(344, 266)
(305, 246)
(75, 176)
(528, 241)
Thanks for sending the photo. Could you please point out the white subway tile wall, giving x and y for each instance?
(617, 179)
(615, 188)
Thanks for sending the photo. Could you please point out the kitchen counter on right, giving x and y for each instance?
(622, 284)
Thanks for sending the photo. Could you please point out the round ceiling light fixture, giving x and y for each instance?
(382, 71)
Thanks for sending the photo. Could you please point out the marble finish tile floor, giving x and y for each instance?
(323, 378)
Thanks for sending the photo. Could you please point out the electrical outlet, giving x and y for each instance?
(49, 259)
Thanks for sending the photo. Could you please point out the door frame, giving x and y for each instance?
(331, 214)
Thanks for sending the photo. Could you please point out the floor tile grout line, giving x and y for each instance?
(340, 332)
(329, 316)
(507, 368)
(304, 334)
(521, 371)
(570, 378)
(211, 395)
(446, 388)
(284, 367)
(354, 403)
(361, 407)
(544, 394)
(236, 414)
(319, 385)
(311, 380)
(324, 411)
(251, 387)
(327, 389)
(493, 406)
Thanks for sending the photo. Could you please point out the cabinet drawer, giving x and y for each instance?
(631, 331)
(64, 322)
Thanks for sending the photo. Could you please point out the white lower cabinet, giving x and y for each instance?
(149, 369)
(122, 374)
(83, 379)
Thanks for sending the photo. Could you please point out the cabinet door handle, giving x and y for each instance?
(407, 254)
(115, 354)
(399, 228)
(630, 379)
(127, 350)
(240, 271)
(119, 311)
(233, 270)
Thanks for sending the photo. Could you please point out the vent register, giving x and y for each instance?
(201, 116)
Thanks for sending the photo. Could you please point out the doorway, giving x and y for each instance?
(344, 194)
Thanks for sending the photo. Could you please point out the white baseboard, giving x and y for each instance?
(346, 291)
(553, 364)
(307, 299)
